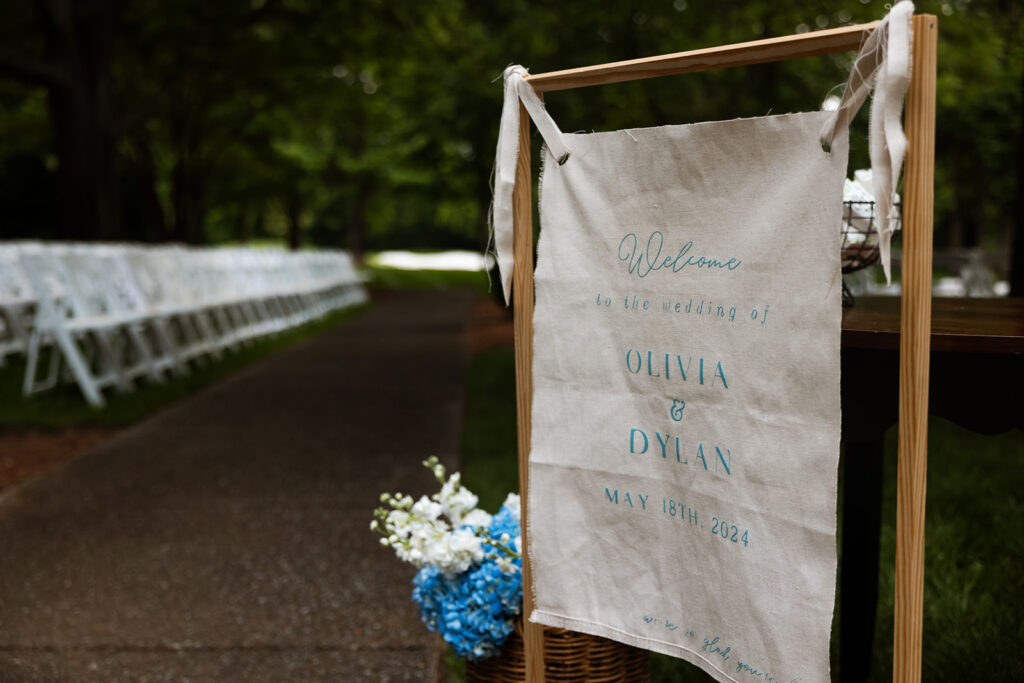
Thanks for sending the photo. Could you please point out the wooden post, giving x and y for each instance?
(522, 279)
(915, 338)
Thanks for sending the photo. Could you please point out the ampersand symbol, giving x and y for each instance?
(676, 411)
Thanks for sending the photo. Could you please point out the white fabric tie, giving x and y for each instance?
(884, 64)
(516, 90)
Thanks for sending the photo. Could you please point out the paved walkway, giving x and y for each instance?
(228, 538)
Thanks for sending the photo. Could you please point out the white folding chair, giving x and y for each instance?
(87, 349)
(185, 324)
(17, 303)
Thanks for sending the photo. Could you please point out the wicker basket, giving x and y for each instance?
(568, 656)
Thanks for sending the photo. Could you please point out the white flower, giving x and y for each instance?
(506, 566)
(456, 499)
(454, 552)
(427, 508)
(477, 517)
(441, 530)
(513, 504)
(397, 523)
(518, 543)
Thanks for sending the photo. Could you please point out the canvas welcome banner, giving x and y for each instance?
(686, 409)
(685, 415)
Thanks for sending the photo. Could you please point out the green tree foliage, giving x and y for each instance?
(373, 124)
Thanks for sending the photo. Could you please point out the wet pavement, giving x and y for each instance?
(227, 539)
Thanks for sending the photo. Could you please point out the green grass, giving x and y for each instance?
(974, 552)
(64, 406)
(489, 439)
(399, 278)
(974, 535)
(488, 445)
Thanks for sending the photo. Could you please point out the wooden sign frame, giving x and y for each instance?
(915, 305)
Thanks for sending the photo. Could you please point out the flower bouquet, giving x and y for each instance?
(469, 583)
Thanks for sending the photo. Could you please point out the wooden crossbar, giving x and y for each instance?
(915, 319)
(811, 44)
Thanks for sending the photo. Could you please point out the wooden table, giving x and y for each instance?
(989, 326)
(976, 381)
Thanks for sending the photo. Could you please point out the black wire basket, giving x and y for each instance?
(860, 239)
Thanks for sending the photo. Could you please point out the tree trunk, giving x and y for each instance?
(259, 224)
(180, 201)
(294, 210)
(187, 199)
(78, 47)
(151, 218)
(1017, 254)
(243, 232)
(188, 175)
(357, 225)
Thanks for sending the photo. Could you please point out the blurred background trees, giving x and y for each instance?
(372, 124)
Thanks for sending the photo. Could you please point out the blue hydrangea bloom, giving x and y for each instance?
(505, 522)
(476, 610)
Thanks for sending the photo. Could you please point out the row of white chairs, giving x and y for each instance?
(112, 313)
